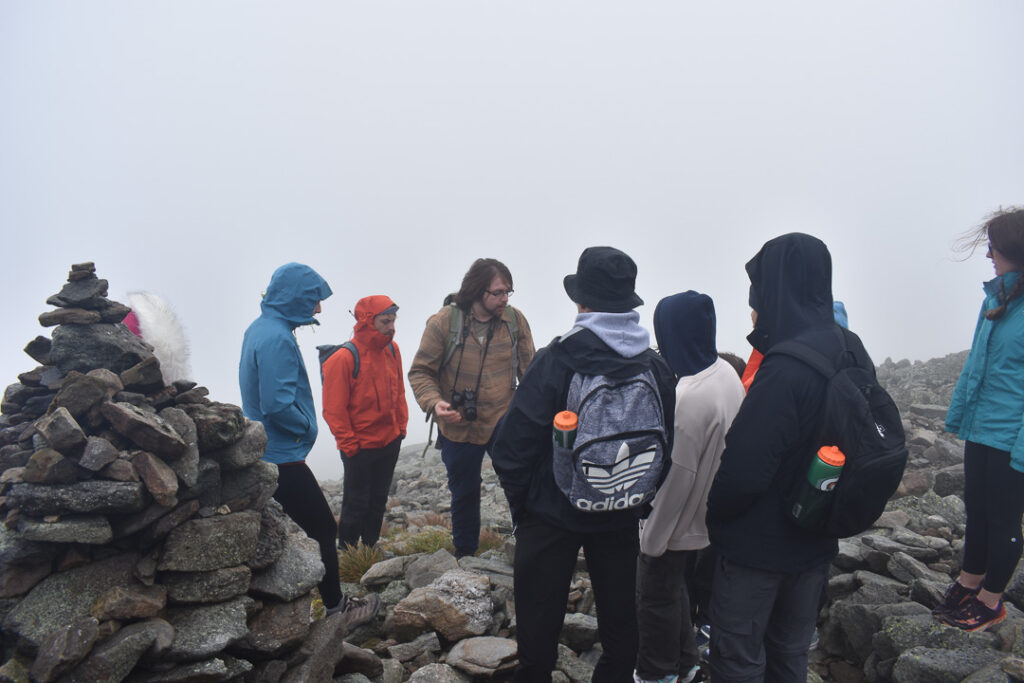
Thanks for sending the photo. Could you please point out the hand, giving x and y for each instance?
(444, 411)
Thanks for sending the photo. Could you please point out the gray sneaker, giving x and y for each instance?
(357, 611)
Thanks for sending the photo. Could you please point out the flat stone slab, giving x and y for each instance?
(99, 497)
(92, 530)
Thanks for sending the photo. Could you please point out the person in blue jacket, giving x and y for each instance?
(275, 391)
(987, 411)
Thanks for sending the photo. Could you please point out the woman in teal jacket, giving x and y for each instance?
(275, 391)
(987, 411)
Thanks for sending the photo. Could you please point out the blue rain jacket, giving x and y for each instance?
(988, 402)
(271, 372)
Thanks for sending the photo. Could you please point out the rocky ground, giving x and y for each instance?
(876, 626)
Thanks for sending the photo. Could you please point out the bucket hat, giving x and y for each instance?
(605, 280)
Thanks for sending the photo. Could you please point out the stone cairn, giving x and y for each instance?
(140, 540)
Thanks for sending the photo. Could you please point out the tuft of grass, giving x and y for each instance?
(437, 519)
(429, 540)
(353, 562)
(490, 540)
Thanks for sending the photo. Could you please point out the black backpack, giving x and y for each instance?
(327, 350)
(863, 421)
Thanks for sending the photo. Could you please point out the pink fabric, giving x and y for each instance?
(133, 324)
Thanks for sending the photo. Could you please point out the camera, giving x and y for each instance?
(465, 399)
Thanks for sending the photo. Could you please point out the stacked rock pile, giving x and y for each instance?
(140, 540)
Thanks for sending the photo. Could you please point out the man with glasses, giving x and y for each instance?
(469, 362)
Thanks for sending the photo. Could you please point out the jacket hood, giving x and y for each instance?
(790, 288)
(620, 331)
(684, 326)
(583, 351)
(293, 293)
(368, 308)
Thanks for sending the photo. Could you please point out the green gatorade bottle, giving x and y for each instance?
(816, 490)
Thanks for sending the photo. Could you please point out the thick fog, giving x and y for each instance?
(189, 148)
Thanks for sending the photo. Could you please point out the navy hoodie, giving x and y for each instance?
(684, 325)
(774, 433)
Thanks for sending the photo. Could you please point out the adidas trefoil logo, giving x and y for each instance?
(621, 474)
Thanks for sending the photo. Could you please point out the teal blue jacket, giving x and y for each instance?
(271, 372)
(988, 402)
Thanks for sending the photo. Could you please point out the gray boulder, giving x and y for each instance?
(211, 543)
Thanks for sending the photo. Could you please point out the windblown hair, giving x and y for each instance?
(159, 327)
(1004, 231)
(478, 278)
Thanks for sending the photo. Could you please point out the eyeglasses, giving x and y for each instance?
(500, 293)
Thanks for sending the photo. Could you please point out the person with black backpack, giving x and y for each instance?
(815, 387)
(986, 411)
(364, 405)
(615, 401)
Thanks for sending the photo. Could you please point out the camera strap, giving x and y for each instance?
(483, 359)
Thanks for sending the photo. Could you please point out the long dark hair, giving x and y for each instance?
(1003, 230)
(478, 278)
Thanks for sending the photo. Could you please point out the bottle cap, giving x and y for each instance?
(831, 455)
(566, 421)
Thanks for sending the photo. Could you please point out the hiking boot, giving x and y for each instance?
(357, 611)
(955, 596)
(974, 615)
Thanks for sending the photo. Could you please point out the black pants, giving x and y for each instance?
(299, 494)
(667, 643)
(994, 500)
(544, 564)
(762, 623)
(365, 490)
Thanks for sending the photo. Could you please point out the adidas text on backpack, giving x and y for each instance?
(620, 449)
(862, 420)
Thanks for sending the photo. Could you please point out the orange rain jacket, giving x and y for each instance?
(368, 411)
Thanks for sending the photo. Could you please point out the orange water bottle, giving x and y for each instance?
(564, 429)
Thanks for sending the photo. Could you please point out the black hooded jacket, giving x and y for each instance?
(774, 433)
(522, 450)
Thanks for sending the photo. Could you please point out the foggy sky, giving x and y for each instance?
(189, 148)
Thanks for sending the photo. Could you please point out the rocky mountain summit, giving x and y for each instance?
(141, 543)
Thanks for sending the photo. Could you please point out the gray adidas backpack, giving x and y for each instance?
(620, 448)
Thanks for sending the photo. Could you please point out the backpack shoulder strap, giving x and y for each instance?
(513, 331)
(456, 332)
(805, 354)
(815, 358)
(355, 357)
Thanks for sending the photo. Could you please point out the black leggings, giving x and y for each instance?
(299, 494)
(994, 499)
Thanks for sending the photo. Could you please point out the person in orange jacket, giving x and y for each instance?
(364, 405)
